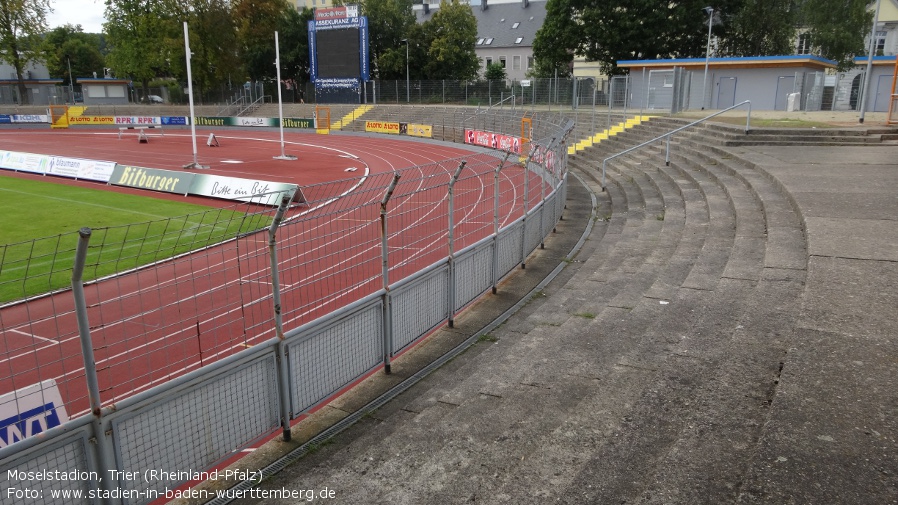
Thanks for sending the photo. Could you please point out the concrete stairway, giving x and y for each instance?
(648, 371)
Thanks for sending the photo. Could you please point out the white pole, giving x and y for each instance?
(277, 63)
(869, 64)
(195, 163)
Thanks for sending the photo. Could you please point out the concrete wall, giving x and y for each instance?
(104, 91)
(765, 81)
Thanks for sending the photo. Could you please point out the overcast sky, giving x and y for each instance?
(87, 13)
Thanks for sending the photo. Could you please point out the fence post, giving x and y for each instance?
(667, 152)
(283, 376)
(451, 236)
(524, 218)
(542, 186)
(385, 274)
(496, 222)
(103, 449)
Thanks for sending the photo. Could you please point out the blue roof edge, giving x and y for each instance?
(730, 59)
(863, 59)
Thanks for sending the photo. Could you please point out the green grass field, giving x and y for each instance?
(40, 223)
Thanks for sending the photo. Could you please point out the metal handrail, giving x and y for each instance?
(670, 134)
(258, 102)
(484, 111)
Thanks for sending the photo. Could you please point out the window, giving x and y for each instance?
(515, 25)
(487, 62)
(488, 41)
(518, 40)
(480, 41)
(804, 44)
(502, 61)
(515, 62)
(880, 43)
(529, 62)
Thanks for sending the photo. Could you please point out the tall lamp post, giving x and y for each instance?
(71, 79)
(710, 12)
(407, 79)
(869, 63)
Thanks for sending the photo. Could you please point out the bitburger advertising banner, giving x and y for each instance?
(154, 179)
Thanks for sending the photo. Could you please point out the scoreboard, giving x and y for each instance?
(338, 53)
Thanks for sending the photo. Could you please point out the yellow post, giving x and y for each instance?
(59, 116)
(322, 117)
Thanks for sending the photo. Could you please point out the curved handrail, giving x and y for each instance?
(670, 133)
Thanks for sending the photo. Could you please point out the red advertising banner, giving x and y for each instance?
(493, 140)
(349, 11)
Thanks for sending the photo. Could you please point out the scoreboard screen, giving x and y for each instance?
(338, 53)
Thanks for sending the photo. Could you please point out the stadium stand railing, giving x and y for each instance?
(285, 308)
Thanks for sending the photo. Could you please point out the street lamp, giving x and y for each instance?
(710, 12)
(407, 81)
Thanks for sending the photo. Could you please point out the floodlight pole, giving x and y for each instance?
(407, 76)
(71, 79)
(195, 163)
(710, 12)
(277, 63)
(869, 64)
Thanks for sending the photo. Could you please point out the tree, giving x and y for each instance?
(389, 22)
(294, 42)
(68, 46)
(837, 28)
(138, 37)
(450, 36)
(556, 40)
(495, 72)
(213, 40)
(21, 21)
(621, 30)
(256, 22)
(759, 28)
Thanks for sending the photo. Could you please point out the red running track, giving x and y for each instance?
(160, 322)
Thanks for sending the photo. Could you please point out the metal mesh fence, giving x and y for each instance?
(194, 428)
(509, 247)
(419, 307)
(155, 312)
(26, 480)
(544, 92)
(473, 274)
(327, 358)
(168, 306)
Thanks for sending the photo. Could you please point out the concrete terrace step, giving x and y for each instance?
(672, 360)
(657, 352)
(735, 135)
(674, 441)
